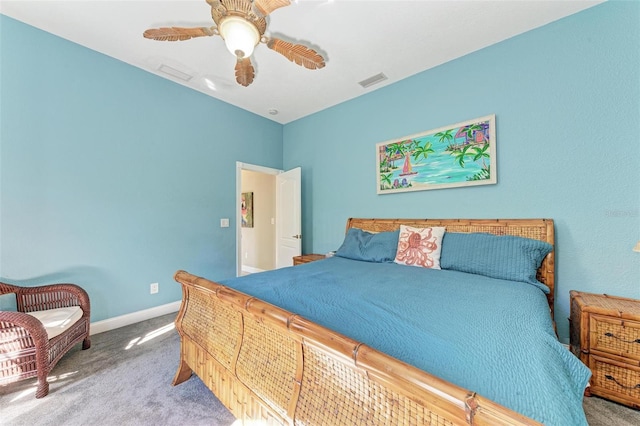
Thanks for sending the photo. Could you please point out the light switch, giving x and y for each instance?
(224, 223)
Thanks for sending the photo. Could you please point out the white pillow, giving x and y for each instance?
(420, 246)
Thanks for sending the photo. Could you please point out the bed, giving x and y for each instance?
(350, 340)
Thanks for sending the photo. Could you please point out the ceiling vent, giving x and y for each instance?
(174, 72)
(373, 80)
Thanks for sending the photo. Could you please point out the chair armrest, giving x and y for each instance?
(52, 296)
(22, 332)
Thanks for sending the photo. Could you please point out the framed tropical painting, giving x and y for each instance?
(462, 154)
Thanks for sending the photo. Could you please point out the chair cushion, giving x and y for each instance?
(57, 320)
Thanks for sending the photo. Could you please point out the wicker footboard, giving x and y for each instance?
(264, 363)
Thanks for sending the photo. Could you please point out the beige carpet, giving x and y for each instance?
(125, 379)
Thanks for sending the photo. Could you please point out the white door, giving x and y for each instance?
(288, 221)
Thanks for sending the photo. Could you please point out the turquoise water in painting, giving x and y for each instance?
(439, 168)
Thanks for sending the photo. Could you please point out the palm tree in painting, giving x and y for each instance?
(395, 149)
(398, 150)
(385, 179)
(481, 153)
(383, 153)
(460, 154)
(475, 153)
(422, 151)
(384, 164)
(445, 136)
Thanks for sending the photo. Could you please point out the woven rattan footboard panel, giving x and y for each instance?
(264, 363)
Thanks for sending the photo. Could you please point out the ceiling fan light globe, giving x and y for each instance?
(240, 36)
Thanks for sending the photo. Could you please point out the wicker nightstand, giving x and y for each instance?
(605, 335)
(306, 258)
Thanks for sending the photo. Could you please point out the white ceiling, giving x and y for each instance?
(358, 39)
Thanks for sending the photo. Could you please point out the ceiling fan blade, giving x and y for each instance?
(244, 72)
(265, 7)
(178, 33)
(301, 55)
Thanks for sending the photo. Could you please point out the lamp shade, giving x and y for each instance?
(239, 35)
(637, 247)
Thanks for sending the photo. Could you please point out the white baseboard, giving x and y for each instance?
(251, 269)
(134, 317)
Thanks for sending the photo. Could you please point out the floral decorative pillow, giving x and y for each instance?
(420, 246)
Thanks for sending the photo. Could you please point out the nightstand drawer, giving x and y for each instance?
(615, 336)
(615, 380)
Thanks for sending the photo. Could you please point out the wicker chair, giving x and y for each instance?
(25, 347)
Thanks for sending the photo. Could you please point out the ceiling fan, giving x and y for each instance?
(242, 24)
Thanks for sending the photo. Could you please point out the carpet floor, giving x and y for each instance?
(125, 379)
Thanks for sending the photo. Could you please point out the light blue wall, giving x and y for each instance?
(112, 177)
(567, 103)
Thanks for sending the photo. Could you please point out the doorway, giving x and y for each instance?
(256, 234)
(273, 235)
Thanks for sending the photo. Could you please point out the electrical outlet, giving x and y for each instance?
(154, 288)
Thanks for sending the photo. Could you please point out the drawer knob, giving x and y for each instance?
(625, 341)
(608, 377)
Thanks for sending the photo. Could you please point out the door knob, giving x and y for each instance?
(297, 237)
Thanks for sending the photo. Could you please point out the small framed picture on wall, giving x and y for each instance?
(247, 209)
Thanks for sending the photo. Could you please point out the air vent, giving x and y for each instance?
(373, 80)
(174, 72)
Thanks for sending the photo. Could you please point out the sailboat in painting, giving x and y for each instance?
(407, 170)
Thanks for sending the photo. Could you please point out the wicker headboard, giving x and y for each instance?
(538, 229)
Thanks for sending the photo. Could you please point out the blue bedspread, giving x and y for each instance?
(490, 336)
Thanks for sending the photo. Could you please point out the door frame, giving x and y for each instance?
(240, 166)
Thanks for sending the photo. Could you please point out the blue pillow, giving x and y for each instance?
(505, 257)
(363, 245)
